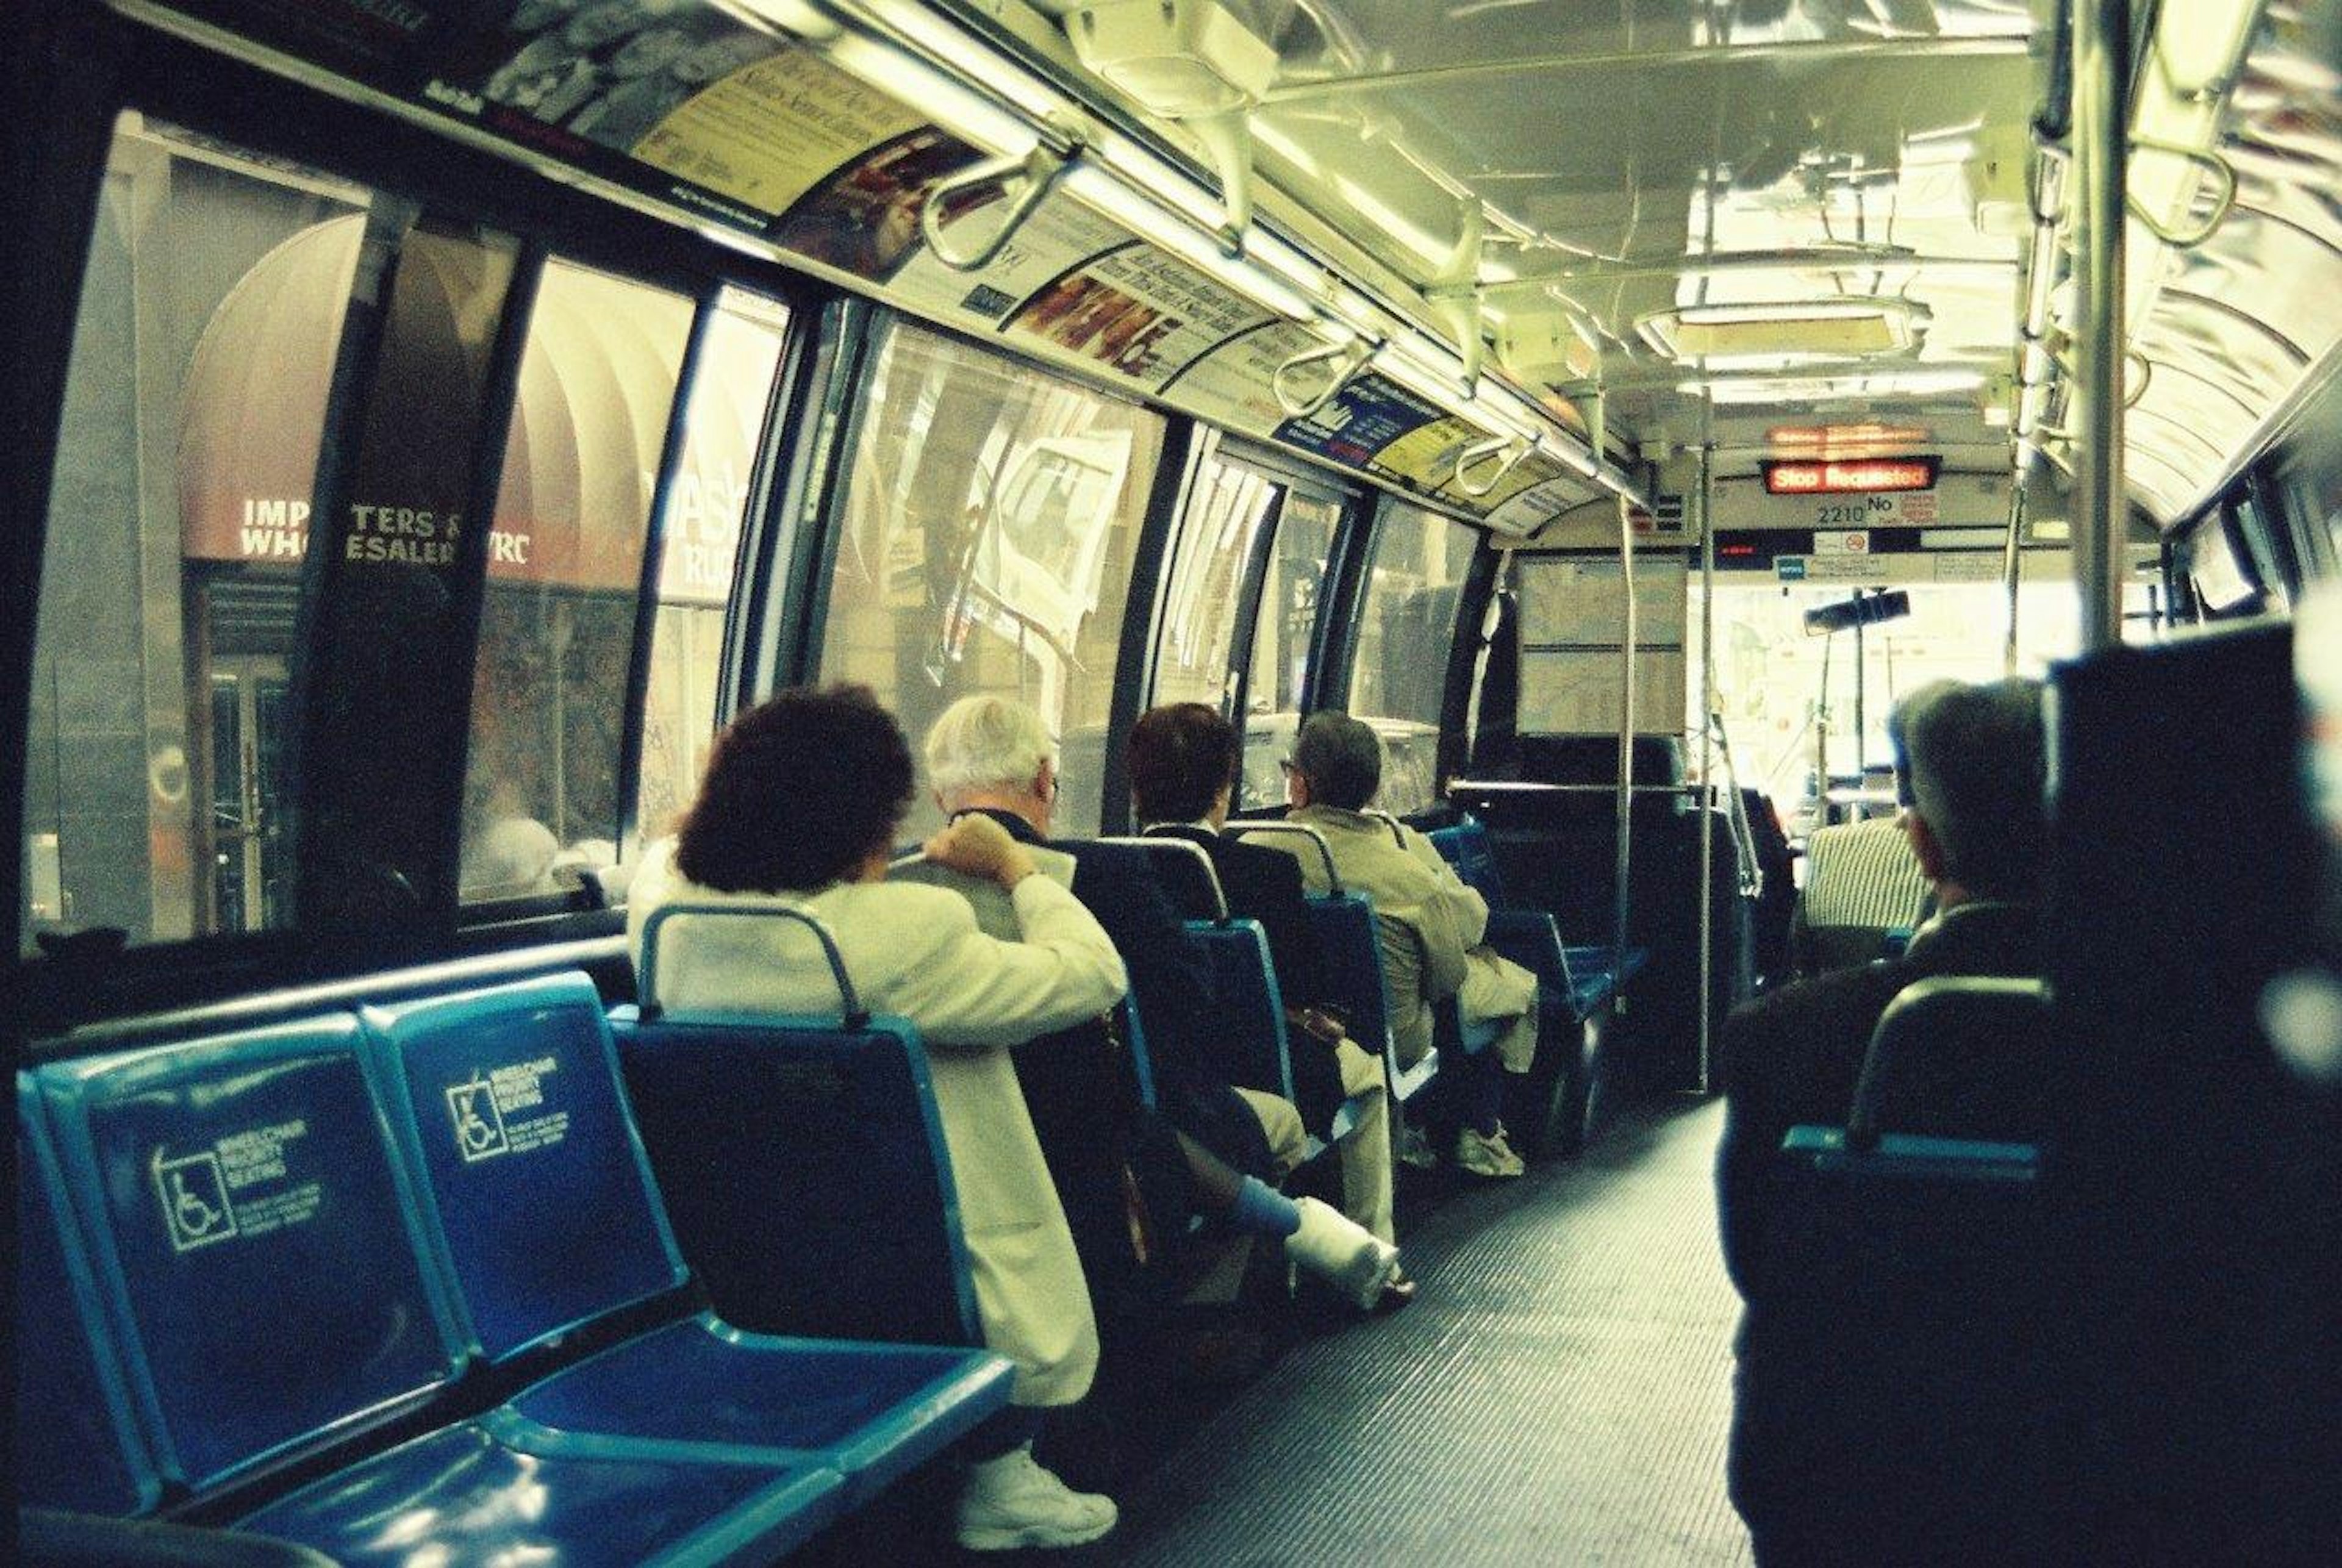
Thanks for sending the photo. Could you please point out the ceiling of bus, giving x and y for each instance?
(1762, 165)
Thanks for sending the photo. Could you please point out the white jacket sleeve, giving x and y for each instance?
(980, 991)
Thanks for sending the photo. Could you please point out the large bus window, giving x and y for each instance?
(597, 383)
(990, 515)
(1193, 660)
(1280, 641)
(1405, 631)
(210, 319)
(723, 429)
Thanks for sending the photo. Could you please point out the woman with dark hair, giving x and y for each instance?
(801, 802)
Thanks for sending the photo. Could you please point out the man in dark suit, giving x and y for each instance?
(1183, 761)
(1971, 773)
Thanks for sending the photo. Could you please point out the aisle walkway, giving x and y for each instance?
(1559, 1394)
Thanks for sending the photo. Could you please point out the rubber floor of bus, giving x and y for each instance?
(1558, 1393)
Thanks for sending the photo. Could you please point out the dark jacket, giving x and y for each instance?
(1843, 1445)
(1172, 985)
(1264, 885)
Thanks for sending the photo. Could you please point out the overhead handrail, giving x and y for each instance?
(2204, 158)
(1512, 448)
(850, 1012)
(1038, 171)
(1325, 850)
(1150, 842)
(1346, 358)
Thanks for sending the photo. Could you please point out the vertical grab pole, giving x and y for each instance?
(2102, 59)
(1708, 721)
(1624, 803)
(2008, 566)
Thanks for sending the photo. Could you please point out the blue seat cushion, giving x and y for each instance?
(872, 1410)
(497, 1492)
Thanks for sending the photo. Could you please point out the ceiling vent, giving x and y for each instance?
(1180, 58)
(1783, 332)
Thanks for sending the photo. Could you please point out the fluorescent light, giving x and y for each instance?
(1144, 217)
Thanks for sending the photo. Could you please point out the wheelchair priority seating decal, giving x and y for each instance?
(236, 1188)
(500, 1111)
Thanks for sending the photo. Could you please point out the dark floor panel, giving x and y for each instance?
(1558, 1394)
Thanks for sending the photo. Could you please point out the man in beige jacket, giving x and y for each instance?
(1429, 921)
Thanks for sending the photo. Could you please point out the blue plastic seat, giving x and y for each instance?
(1247, 1008)
(249, 1228)
(76, 1445)
(542, 1205)
(1582, 977)
(501, 1489)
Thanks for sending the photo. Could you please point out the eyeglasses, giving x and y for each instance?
(1287, 765)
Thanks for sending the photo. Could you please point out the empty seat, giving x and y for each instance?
(242, 1207)
(76, 1447)
(508, 1101)
(259, 1261)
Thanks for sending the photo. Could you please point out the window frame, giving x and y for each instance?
(216, 94)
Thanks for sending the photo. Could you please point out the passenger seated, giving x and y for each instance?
(1862, 882)
(802, 799)
(1429, 921)
(1970, 777)
(991, 758)
(1183, 761)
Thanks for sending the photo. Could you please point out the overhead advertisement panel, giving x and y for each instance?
(686, 104)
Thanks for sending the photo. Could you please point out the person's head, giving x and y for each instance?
(1971, 771)
(1183, 763)
(801, 790)
(1336, 761)
(990, 752)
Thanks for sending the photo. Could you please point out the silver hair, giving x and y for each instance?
(986, 742)
(1974, 763)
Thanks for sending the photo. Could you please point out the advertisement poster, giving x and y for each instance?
(1060, 236)
(1139, 314)
(1366, 417)
(1235, 378)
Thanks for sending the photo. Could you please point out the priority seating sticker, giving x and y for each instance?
(236, 1188)
(501, 1110)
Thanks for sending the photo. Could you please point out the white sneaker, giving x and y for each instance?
(1011, 1502)
(1414, 1149)
(1486, 1156)
(1342, 1253)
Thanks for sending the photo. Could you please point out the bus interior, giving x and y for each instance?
(430, 421)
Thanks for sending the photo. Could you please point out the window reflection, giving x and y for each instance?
(990, 517)
(1407, 628)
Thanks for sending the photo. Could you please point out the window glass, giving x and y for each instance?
(597, 383)
(1280, 641)
(1407, 626)
(210, 319)
(739, 355)
(990, 515)
(1192, 655)
(1769, 676)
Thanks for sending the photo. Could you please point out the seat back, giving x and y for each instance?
(76, 1445)
(1347, 934)
(1464, 845)
(801, 1160)
(254, 1239)
(1248, 1010)
(1958, 1056)
(540, 1204)
(1186, 873)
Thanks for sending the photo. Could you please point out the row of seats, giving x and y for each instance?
(366, 1280)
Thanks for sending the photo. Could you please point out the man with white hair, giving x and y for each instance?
(993, 756)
